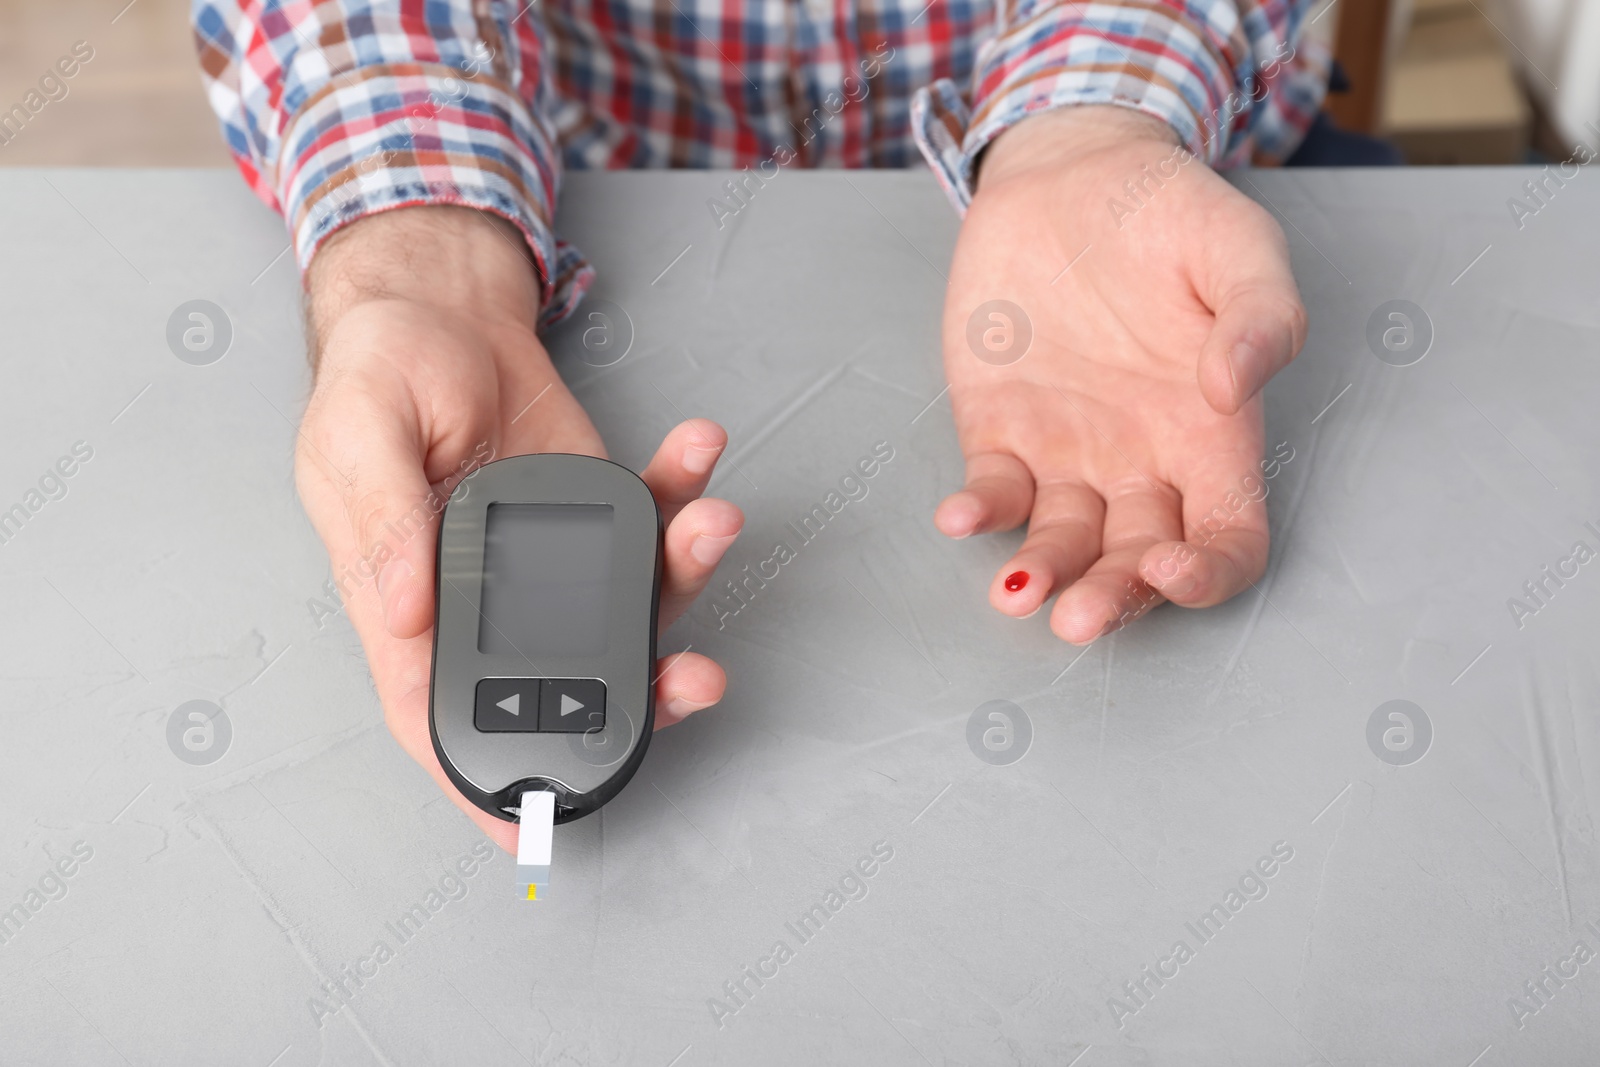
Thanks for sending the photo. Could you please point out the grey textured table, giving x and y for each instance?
(232, 911)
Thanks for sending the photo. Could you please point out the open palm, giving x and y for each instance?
(1105, 367)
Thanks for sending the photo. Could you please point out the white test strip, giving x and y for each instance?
(536, 826)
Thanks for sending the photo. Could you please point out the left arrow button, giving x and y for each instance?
(507, 705)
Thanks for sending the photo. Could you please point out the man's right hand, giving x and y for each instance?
(426, 366)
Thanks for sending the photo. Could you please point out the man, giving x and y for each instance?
(416, 149)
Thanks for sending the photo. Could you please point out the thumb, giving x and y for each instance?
(371, 450)
(402, 518)
(1259, 322)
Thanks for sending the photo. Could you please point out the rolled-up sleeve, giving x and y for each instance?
(336, 111)
(1236, 79)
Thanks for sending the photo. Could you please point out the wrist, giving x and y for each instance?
(460, 261)
(1063, 135)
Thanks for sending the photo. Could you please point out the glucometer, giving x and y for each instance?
(544, 641)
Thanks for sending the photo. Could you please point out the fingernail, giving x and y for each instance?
(1016, 581)
(1182, 585)
(396, 570)
(955, 536)
(1241, 356)
(678, 707)
(963, 519)
(697, 460)
(709, 550)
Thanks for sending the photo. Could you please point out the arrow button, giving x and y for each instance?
(572, 705)
(507, 705)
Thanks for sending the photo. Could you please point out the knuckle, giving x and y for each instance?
(366, 509)
(1062, 530)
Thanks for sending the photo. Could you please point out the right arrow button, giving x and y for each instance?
(571, 705)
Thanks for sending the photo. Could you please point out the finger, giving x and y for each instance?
(1206, 574)
(366, 441)
(1064, 536)
(1224, 548)
(1259, 324)
(687, 683)
(695, 542)
(1112, 593)
(998, 496)
(681, 467)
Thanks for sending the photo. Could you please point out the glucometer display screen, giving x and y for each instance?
(546, 580)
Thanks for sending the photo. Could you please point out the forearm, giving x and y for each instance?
(454, 260)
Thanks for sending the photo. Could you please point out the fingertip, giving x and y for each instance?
(703, 443)
(689, 682)
(1256, 334)
(1019, 589)
(710, 525)
(1082, 633)
(712, 515)
(959, 515)
(679, 708)
(706, 433)
(708, 550)
(1077, 621)
(1180, 590)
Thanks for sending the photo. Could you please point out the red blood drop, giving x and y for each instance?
(1016, 580)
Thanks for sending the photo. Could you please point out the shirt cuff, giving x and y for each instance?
(397, 135)
(1229, 92)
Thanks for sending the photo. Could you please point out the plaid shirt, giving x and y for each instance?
(335, 109)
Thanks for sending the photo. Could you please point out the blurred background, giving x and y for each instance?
(138, 102)
(1448, 81)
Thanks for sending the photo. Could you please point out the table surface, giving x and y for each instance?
(249, 910)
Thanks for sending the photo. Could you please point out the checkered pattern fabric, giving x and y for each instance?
(336, 109)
